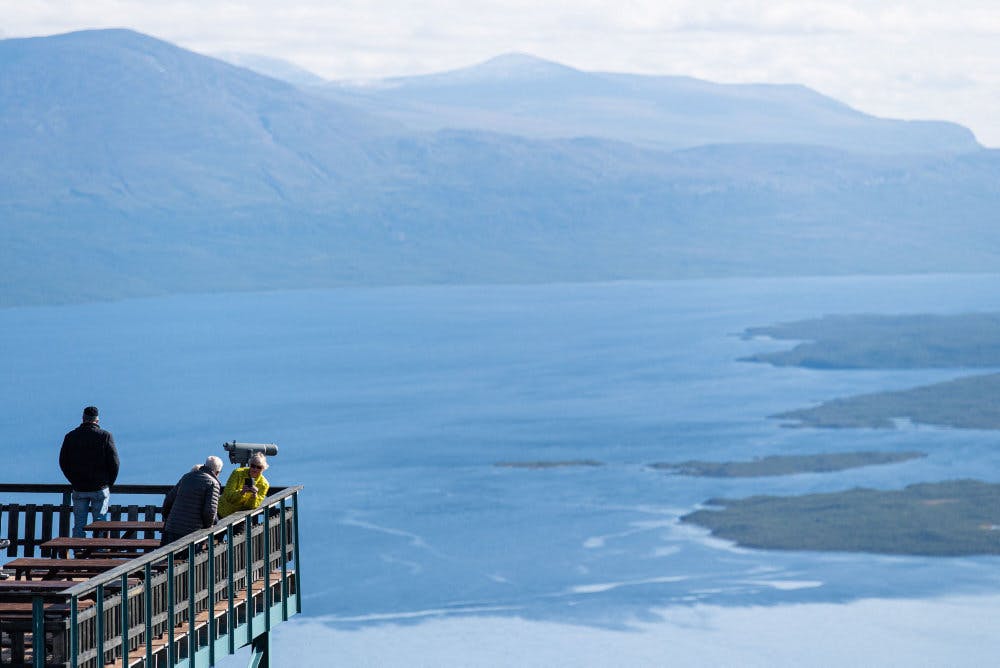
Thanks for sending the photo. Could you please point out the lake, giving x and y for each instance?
(393, 406)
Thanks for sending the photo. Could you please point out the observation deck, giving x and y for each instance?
(116, 598)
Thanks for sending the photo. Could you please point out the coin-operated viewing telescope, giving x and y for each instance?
(239, 453)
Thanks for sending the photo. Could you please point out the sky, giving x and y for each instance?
(915, 59)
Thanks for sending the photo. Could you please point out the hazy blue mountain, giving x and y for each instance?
(273, 67)
(520, 94)
(120, 118)
(133, 167)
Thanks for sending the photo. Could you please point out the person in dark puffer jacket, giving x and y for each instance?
(193, 502)
(89, 460)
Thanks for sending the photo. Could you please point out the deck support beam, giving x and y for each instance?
(259, 651)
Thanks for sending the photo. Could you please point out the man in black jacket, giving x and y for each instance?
(193, 502)
(89, 460)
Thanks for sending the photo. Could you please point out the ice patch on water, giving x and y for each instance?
(696, 534)
(608, 586)
(787, 585)
(416, 614)
(413, 539)
(666, 551)
(595, 542)
(413, 566)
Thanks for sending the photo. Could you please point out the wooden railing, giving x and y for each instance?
(187, 603)
(28, 525)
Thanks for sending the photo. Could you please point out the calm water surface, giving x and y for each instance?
(394, 405)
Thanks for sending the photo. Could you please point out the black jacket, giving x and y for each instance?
(192, 503)
(88, 458)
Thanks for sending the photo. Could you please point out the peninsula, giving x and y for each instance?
(885, 341)
(966, 403)
(970, 340)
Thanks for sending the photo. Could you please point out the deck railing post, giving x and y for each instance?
(192, 638)
(74, 633)
(284, 565)
(231, 588)
(211, 600)
(124, 619)
(260, 654)
(100, 625)
(171, 611)
(267, 569)
(147, 574)
(295, 551)
(37, 632)
(248, 556)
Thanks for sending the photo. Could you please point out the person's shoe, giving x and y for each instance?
(4, 543)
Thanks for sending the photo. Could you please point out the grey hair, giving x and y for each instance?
(258, 458)
(213, 463)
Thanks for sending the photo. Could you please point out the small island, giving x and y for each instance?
(548, 464)
(943, 519)
(776, 465)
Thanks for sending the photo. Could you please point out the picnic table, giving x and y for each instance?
(7, 586)
(26, 568)
(88, 548)
(124, 528)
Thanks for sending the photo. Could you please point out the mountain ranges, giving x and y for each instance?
(132, 167)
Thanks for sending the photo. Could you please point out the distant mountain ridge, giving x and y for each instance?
(132, 167)
(528, 96)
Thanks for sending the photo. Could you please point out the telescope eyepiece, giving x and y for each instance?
(240, 453)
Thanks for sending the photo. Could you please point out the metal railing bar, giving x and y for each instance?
(231, 589)
(74, 634)
(284, 563)
(267, 570)
(211, 602)
(38, 632)
(148, 593)
(192, 641)
(100, 624)
(124, 620)
(295, 550)
(171, 612)
(66, 489)
(248, 558)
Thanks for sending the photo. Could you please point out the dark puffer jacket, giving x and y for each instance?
(191, 505)
(88, 458)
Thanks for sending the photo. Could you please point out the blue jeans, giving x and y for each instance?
(89, 502)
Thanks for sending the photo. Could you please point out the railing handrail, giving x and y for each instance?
(62, 488)
(158, 554)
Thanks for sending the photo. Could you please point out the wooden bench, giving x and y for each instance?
(55, 569)
(88, 548)
(124, 528)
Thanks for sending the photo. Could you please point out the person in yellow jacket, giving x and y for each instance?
(246, 487)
